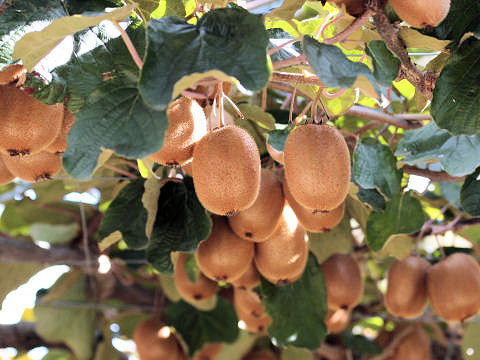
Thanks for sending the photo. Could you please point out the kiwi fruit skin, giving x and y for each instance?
(152, 346)
(36, 167)
(187, 125)
(415, 346)
(59, 144)
(5, 175)
(282, 258)
(226, 170)
(11, 73)
(248, 280)
(254, 324)
(343, 280)
(353, 7)
(407, 294)
(337, 320)
(209, 351)
(316, 222)
(27, 125)
(317, 166)
(454, 287)
(421, 13)
(248, 301)
(202, 289)
(224, 256)
(261, 354)
(259, 221)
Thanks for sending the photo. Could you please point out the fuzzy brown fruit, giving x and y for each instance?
(36, 167)
(454, 287)
(415, 346)
(282, 258)
(317, 166)
(155, 341)
(5, 175)
(314, 221)
(249, 279)
(338, 320)
(255, 324)
(259, 221)
(343, 280)
(421, 13)
(354, 7)
(187, 125)
(248, 301)
(59, 144)
(202, 289)
(407, 293)
(226, 170)
(27, 125)
(209, 351)
(12, 73)
(224, 256)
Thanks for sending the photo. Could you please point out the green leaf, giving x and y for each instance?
(470, 194)
(415, 39)
(372, 197)
(14, 275)
(199, 327)
(457, 154)
(277, 138)
(398, 246)
(34, 46)
(237, 349)
(74, 326)
(180, 225)
(332, 66)
(298, 310)
(456, 98)
(360, 344)
(374, 167)
(337, 240)
(385, 64)
(127, 215)
(53, 234)
(451, 191)
(470, 341)
(403, 215)
(294, 353)
(192, 269)
(232, 41)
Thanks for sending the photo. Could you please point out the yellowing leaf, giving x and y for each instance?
(34, 46)
(150, 201)
(414, 39)
(28, 315)
(188, 80)
(236, 350)
(398, 246)
(111, 239)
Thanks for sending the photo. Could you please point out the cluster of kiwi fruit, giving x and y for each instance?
(34, 135)
(417, 13)
(452, 285)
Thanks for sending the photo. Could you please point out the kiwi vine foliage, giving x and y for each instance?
(120, 116)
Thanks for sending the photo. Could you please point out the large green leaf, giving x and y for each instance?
(180, 225)
(337, 240)
(127, 215)
(298, 310)
(470, 194)
(74, 326)
(199, 327)
(385, 64)
(12, 275)
(230, 40)
(277, 138)
(374, 167)
(403, 215)
(456, 98)
(457, 154)
(360, 344)
(470, 341)
(53, 234)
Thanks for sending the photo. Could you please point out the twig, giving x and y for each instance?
(369, 113)
(120, 171)
(440, 176)
(128, 42)
(287, 88)
(280, 47)
(296, 79)
(295, 60)
(352, 28)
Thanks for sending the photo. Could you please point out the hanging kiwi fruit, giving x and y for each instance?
(5, 175)
(12, 73)
(421, 13)
(337, 320)
(415, 346)
(59, 144)
(36, 167)
(248, 280)
(353, 7)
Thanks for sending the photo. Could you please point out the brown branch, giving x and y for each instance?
(423, 81)
(286, 88)
(354, 26)
(296, 79)
(22, 336)
(297, 60)
(128, 43)
(440, 176)
(369, 113)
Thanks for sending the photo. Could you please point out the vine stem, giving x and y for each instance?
(296, 79)
(296, 60)
(120, 171)
(352, 28)
(128, 42)
(440, 176)
(369, 113)
(281, 46)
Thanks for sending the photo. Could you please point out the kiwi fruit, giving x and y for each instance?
(338, 320)
(261, 354)
(254, 324)
(421, 13)
(36, 167)
(407, 294)
(209, 351)
(27, 125)
(187, 125)
(454, 287)
(12, 73)
(202, 289)
(343, 280)
(224, 256)
(282, 258)
(59, 144)
(317, 166)
(248, 280)
(353, 7)
(5, 175)
(226, 170)
(314, 221)
(259, 221)
(155, 341)
(248, 301)
(415, 346)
